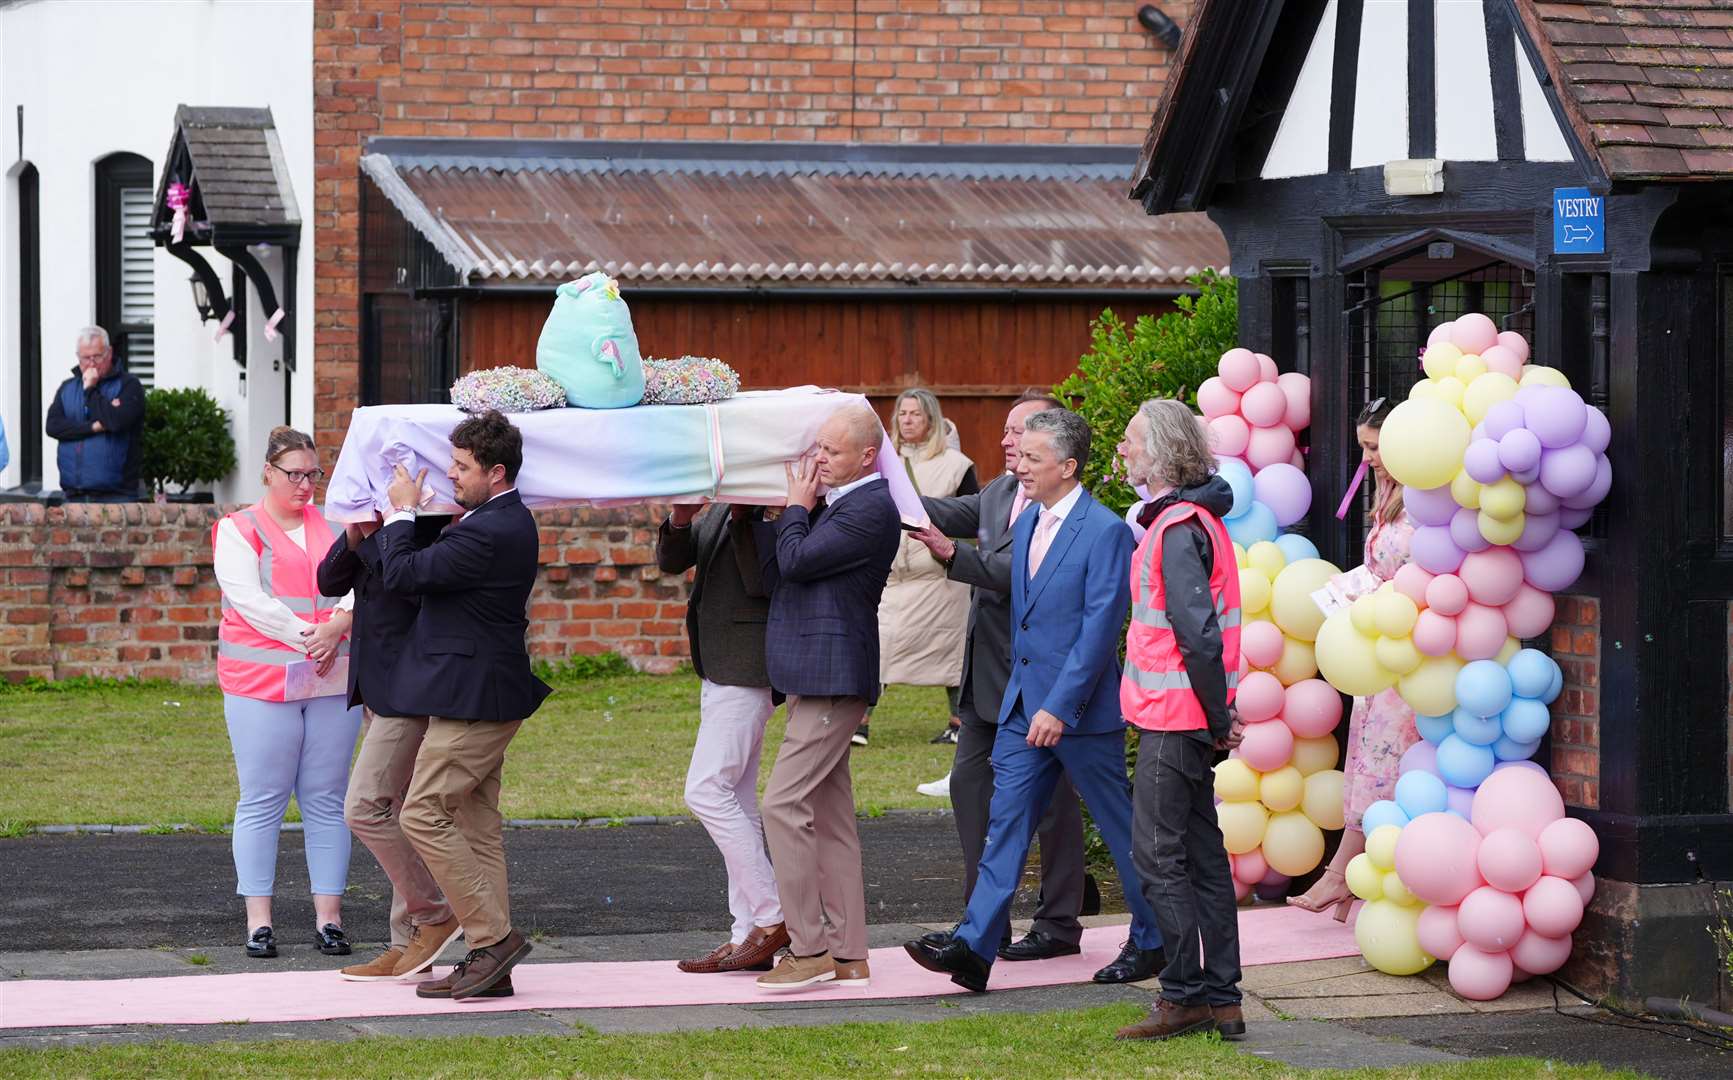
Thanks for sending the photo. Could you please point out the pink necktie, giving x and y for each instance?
(1018, 505)
(1043, 537)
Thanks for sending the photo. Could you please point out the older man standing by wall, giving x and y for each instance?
(826, 573)
(96, 415)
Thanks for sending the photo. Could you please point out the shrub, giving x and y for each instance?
(1164, 357)
(185, 439)
(583, 668)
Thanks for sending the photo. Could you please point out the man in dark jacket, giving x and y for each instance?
(467, 668)
(96, 415)
(725, 619)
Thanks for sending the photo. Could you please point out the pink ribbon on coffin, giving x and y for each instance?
(1353, 490)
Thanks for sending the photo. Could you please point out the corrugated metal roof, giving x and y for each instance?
(709, 215)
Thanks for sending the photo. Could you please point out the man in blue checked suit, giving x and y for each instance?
(1070, 590)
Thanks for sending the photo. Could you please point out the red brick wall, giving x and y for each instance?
(127, 591)
(906, 71)
(1576, 725)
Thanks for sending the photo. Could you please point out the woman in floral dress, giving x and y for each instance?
(1381, 728)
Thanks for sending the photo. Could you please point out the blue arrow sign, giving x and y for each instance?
(1579, 222)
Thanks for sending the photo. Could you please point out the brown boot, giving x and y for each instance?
(1167, 1019)
(428, 942)
(758, 951)
(485, 966)
(1230, 1021)
(709, 964)
(441, 987)
(382, 968)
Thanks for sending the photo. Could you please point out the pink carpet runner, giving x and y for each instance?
(1273, 935)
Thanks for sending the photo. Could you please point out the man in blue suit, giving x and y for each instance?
(1070, 590)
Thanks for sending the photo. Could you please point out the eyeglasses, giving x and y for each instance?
(298, 477)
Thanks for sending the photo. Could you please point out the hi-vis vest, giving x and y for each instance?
(1155, 692)
(250, 664)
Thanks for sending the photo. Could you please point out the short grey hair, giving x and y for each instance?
(1068, 432)
(94, 333)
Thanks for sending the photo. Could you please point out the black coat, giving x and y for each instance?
(383, 620)
(467, 658)
(985, 518)
(729, 605)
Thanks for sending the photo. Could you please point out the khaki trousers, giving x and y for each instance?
(451, 817)
(809, 825)
(378, 784)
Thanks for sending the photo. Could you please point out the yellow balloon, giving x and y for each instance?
(1363, 613)
(1541, 375)
(1394, 613)
(1313, 756)
(1448, 390)
(1397, 654)
(1254, 589)
(1240, 556)
(1465, 489)
(1348, 659)
(1511, 647)
(1422, 442)
(1503, 499)
(1389, 938)
(1364, 880)
(1242, 825)
(1292, 844)
(1431, 687)
(1440, 360)
(1267, 558)
(1396, 892)
(1299, 662)
(1381, 846)
(1500, 530)
(1483, 393)
(1236, 781)
(1291, 604)
(1470, 368)
(1282, 789)
(1423, 389)
(1323, 800)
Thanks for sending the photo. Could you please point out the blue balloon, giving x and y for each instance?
(1463, 764)
(1296, 547)
(1557, 687)
(1239, 477)
(1253, 526)
(1508, 749)
(1479, 730)
(1419, 792)
(1434, 729)
(1526, 720)
(1382, 812)
(1531, 672)
(1482, 688)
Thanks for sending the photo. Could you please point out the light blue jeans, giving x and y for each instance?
(299, 748)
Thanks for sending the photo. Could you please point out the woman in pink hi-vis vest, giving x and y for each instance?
(281, 659)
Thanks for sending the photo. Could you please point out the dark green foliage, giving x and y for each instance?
(186, 439)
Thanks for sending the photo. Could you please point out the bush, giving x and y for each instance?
(583, 668)
(1155, 358)
(185, 439)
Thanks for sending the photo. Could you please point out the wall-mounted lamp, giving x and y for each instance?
(202, 299)
(1157, 22)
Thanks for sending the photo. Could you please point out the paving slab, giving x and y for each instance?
(1431, 1003)
(95, 964)
(1356, 984)
(1572, 1036)
(1311, 1045)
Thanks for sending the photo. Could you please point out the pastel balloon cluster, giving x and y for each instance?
(1253, 414)
(1387, 927)
(1277, 618)
(1507, 886)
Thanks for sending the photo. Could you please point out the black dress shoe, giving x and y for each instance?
(1037, 946)
(938, 939)
(262, 945)
(955, 959)
(1133, 965)
(331, 940)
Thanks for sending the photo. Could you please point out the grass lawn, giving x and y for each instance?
(158, 754)
(1026, 1046)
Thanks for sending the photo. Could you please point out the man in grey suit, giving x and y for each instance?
(987, 517)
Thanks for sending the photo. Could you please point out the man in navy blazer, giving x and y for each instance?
(467, 668)
(1070, 591)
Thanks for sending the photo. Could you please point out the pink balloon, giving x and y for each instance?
(1441, 332)
(1491, 919)
(1509, 860)
(1502, 359)
(1522, 799)
(1435, 634)
(1245, 667)
(1259, 698)
(1557, 566)
(1262, 643)
(1412, 582)
(1239, 369)
(1438, 934)
(1311, 708)
(1585, 887)
(1268, 446)
(1515, 342)
(1447, 594)
(1250, 867)
(1435, 858)
(1229, 436)
(1433, 548)
(1479, 975)
(1493, 576)
(1267, 746)
(1569, 848)
(1530, 612)
(1263, 405)
(1540, 955)
(1267, 369)
(1241, 891)
(1297, 388)
(1553, 906)
(1480, 632)
(1215, 399)
(1298, 461)
(1474, 333)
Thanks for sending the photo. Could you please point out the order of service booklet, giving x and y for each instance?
(301, 680)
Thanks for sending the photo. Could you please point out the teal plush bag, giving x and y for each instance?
(588, 345)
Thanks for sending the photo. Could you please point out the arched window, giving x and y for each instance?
(125, 260)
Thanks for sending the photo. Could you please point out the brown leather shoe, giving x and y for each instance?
(709, 964)
(853, 973)
(382, 968)
(758, 951)
(441, 987)
(1230, 1021)
(1168, 1019)
(486, 966)
(425, 946)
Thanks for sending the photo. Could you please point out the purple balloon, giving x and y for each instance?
(1460, 800)
(1597, 433)
(1557, 417)
(1465, 531)
(1519, 450)
(1285, 490)
(1435, 551)
(1539, 500)
(1501, 419)
(1429, 506)
(1422, 755)
(1568, 471)
(1555, 567)
(1537, 530)
(1574, 519)
(1527, 396)
(1273, 878)
(1481, 461)
(1597, 490)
